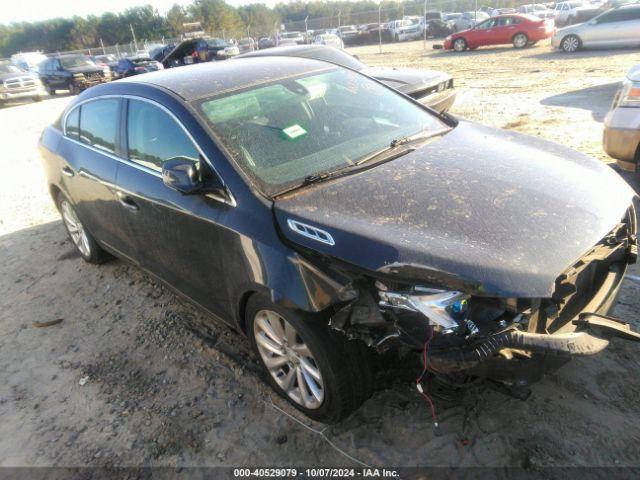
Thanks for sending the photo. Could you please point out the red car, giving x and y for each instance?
(521, 30)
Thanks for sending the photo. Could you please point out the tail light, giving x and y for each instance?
(139, 69)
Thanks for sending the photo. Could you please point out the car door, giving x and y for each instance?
(90, 150)
(483, 33)
(607, 30)
(504, 29)
(177, 235)
(630, 25)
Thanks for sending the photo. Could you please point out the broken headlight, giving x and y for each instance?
(444, 309)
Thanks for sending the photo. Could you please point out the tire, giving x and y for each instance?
(84, 242)
(343, 378)
(459, 44)
(570, 44)
(50, 90)
(73, 90)
(37, 99)
(520, 40)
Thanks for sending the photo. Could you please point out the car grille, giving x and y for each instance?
(20, 83)
(94, 77)
(439, 87)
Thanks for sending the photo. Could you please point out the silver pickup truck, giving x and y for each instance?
(17, 84)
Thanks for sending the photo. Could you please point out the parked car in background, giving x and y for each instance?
(405, 29)
(266, 42)
(618, 27)
(109, 60)
(330, 40)
(501, 11)
(373, 33)
(159, 53)
(519, 30)
(16, 84)
(429, 87)
(347, 33)
(198, 50)
(323, 214)
(293, 36)
(563, 10)
(583, 14)
(28, 61)
(469, 19)
(537, 9)
(127, 67)
(621, 137)
(246, 45)
(74, 73)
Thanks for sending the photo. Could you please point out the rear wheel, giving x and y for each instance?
(315, 368)
(81, 238)
(50, 90)
(520, 40)
(570, 43)
(459, 44)
(73, 89)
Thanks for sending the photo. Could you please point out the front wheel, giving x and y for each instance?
(570, 44)
(459, 44)
(50, 90)
(520, 40)
(81, 238)
(318, 370)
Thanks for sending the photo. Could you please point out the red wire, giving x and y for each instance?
(425, 351)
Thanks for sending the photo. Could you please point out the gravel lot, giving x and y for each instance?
(134, 376)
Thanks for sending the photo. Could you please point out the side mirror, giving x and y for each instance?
(181, 174)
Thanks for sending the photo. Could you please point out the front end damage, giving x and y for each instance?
(511, 340)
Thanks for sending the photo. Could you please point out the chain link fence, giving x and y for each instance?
(383, 15)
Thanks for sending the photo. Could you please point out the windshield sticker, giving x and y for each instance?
(293, 132)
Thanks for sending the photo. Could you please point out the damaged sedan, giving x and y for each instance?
(326, 216)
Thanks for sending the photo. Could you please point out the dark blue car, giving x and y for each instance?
(328, 217)
(127, 67)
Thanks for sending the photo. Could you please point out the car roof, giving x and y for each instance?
(201, 80)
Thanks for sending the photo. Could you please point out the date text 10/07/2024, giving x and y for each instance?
(315, 472)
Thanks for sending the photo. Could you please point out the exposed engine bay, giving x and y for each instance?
(506, 339)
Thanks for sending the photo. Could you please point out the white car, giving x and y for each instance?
(564, 10)
(405, 29)
(294, 36)
(330, 40)
(618, 27)
(537, 9)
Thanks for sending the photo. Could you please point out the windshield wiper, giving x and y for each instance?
(391, 151)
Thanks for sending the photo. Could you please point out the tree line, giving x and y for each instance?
(215, 16)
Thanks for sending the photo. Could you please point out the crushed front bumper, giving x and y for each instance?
(592, 334)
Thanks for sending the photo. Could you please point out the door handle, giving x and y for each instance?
(127, 202)
(68, 172)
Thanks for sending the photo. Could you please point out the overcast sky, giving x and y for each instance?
(32, 10)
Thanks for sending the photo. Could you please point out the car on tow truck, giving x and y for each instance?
(327, 216)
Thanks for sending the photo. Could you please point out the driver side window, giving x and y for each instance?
(486, 25)
(154, 136)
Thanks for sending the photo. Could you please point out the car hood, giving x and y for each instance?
(9, 76)
(85, 69)
(406, 79)
(634, 73)
(488, 211)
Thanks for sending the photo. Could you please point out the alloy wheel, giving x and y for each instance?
(75, 228)
(459, 45)
(520, 41)
(288, 359)
(570, 44)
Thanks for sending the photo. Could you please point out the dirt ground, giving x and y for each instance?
(134, 376)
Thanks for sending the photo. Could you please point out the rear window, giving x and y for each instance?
(98, 124)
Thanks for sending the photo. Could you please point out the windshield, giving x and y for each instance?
(332, 55)
(7, 68)
(217, 42)
(76, 61)
(289, 130)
